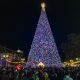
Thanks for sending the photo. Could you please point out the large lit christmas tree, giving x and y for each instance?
(43, 48)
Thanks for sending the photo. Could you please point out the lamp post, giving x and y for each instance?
(20, 52)
(5, 56)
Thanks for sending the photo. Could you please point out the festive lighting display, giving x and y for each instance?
(41, 65)
(18, 67)
(72, 63)
(43, 48)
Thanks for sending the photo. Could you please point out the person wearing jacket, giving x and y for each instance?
(67, 77)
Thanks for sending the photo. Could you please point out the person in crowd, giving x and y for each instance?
(24, 77)
(35, 76)
(78, 76)
(41, 75)
(67, 77)
(30, 74)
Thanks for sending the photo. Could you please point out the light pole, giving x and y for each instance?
(5, 56)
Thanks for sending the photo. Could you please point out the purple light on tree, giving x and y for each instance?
(43, 48)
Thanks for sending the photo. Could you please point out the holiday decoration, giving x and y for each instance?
(41, 65)
(43, 48)
(18, 67)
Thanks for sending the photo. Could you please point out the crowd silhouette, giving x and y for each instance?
(29, 73)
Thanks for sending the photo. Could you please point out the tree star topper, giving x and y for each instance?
(43, 5)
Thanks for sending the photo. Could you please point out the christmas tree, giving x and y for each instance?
(43, 48)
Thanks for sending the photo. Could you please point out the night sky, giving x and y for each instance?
(19, 18)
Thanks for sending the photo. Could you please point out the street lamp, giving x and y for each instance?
(4, 56)
(77, 59)
(7, 56)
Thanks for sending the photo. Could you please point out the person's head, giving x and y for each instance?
(67, 74)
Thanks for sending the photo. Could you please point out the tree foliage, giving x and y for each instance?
(71, 48)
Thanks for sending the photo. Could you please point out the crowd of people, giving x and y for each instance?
(40, 73)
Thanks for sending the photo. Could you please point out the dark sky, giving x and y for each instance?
(19, 18)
